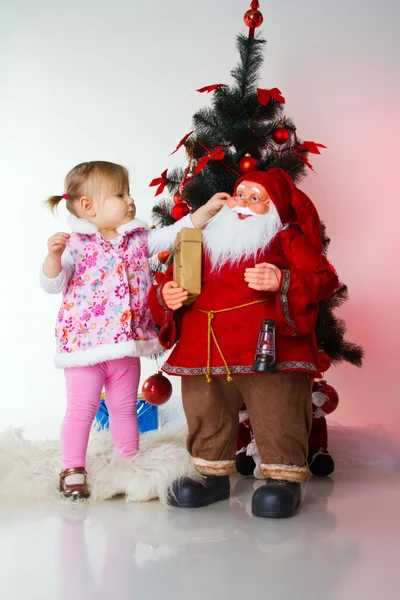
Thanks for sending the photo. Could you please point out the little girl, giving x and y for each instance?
(104, 323)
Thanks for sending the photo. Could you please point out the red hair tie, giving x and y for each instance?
(64, 196)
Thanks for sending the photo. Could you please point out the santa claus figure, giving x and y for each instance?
(262, 261)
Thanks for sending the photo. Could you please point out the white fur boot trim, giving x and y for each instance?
(284, 472)
(214, 467)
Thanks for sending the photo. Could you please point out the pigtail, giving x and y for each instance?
(54, 201)
(87, 179)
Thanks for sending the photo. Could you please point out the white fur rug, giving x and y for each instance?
(29, 469)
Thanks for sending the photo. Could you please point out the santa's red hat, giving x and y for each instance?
(293, 205)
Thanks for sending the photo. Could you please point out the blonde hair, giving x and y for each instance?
(97, 177)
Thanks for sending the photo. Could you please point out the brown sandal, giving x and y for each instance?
(76, 491)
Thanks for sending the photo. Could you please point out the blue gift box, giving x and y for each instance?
(147, 415)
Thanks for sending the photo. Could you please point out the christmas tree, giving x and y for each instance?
(245, 130)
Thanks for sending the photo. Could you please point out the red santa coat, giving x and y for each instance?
(307, 278)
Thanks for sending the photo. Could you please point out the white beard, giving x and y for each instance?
(230, 239)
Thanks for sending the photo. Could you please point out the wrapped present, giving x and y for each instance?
(147, 415)
(102, 415)
(187, 262)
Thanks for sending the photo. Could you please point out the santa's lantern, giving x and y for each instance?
(265, 357)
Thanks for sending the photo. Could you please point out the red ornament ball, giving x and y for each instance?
(163, 257)
(324, 362)
(325, 397)
(281, 135)
(157, 389)
(177, 198)
(248, 164)
(253, 18)
(180, 210)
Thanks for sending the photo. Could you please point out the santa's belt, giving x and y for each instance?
(211, 333)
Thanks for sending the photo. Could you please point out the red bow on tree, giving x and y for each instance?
(181, 143)
(305, 160)
(217, 154)
(161, 182)
(311, 147)
(264, 96)
(211, 88)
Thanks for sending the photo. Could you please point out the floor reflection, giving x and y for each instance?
(217, 552)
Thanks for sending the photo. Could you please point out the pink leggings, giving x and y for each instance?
(84, 386)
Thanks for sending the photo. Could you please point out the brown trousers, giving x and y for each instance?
(279, 408)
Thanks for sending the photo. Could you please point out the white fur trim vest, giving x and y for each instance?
(104, 314)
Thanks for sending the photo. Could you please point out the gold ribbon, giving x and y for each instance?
(211, 333)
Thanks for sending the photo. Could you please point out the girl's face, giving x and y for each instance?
(115, 210)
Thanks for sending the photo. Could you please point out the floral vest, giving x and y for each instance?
(104, 314)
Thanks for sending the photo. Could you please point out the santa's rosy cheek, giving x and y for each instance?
(231, 203)
(259, 208)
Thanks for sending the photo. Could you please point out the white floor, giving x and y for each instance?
(343, 545)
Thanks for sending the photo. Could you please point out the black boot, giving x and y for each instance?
(188, 493)
(276, 499)
(245, 465)
(321, 464)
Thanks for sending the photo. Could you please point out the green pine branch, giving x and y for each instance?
(247, 73)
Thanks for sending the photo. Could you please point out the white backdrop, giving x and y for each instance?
(84, 80)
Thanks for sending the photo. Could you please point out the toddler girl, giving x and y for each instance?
(104, 323)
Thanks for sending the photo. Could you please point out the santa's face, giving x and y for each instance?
(250, 195)
(244, 226)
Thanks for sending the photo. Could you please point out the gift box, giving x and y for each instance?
(187, 262)
(147, 415)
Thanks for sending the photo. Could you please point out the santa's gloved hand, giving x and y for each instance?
(209, 209)
(264, 277)
(173, 295)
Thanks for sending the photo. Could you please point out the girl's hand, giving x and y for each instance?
(173, 295)
(264, 277)
(209, 209)
(57, 244)
(214, 205)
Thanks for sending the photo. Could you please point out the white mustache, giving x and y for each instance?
(232, 240)
(242, 210)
